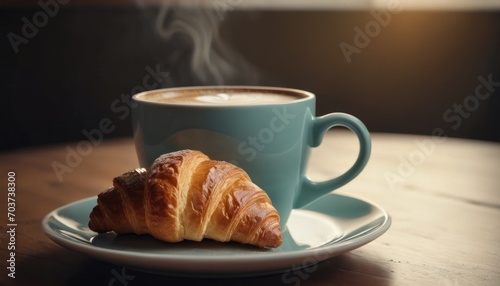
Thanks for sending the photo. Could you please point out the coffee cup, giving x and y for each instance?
(267, 131)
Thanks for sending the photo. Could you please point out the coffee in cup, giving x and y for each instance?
(217, 97)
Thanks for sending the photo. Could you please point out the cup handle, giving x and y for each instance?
(312, 190)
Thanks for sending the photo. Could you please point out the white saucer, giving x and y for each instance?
(323, 229)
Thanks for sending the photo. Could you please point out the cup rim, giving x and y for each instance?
(303, 94)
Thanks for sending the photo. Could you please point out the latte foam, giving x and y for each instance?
(219, 97)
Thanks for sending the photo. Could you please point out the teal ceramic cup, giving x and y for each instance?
(271, 140)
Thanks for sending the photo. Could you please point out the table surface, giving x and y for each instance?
(442, 194)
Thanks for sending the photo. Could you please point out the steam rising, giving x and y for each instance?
(194, 28)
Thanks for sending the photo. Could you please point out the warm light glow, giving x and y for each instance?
(439, 4)
(360, 4)
(332, 4)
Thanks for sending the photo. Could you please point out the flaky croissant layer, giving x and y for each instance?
(185, 195)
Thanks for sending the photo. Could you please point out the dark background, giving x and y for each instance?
(65, 79)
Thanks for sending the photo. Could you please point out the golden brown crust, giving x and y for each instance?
(166, 192)
(132, 186)
(185, 195)
(114, 209)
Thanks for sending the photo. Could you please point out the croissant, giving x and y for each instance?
(185, 195)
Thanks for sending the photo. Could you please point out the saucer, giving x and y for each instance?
(333, 225)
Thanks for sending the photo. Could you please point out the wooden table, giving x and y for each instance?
(443, 195)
